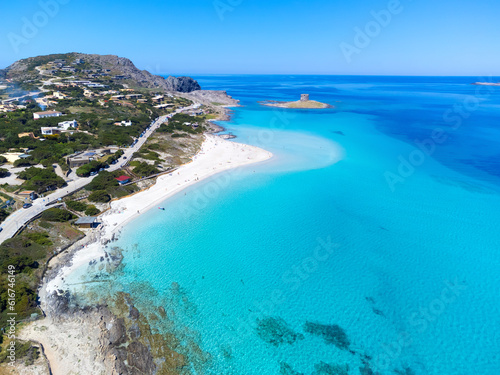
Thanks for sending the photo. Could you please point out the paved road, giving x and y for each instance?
(17, 219)
(33, 93)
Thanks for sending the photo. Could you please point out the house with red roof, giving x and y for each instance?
(123, 180)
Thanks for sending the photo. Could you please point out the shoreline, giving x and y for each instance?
(215, 151)
(85, 343)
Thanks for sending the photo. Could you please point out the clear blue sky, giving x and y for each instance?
(425, 37)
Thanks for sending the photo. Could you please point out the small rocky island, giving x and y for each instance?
(486, 83)
(303, 103)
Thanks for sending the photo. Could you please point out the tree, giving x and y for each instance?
(25, 162)
(100, 196)
(4, 172)
(103, 181)
(41, 180)
(117, 155)
(58, 215)
(87, 169)
(76, 206)
(144, 170)
(20, 262)
(3, 215)
(92, 211)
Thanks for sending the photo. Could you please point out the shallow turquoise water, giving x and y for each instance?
(410, 272)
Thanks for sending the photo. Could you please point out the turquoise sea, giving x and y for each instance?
(368, 244)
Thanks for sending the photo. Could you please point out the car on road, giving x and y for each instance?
(27, 205)
(1, 229)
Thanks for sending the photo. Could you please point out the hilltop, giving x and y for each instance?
(103, 67)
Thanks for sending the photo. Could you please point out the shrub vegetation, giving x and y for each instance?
(57, 215)
(100, 196)
(40, 180)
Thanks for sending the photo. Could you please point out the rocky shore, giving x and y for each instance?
(227, 136)
(110, 338)
(221, 103)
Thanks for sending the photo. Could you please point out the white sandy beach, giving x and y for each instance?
(216, 155)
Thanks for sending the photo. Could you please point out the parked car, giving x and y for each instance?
(27, 205)
(1, 229)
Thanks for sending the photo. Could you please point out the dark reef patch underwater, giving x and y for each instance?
(332, 334)
(276, 331)
(286, 369)
(324, 368)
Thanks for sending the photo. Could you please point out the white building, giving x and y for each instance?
(59, 95)
(160, 106)
(39, 115)
(65, 125)
(80, 82)
(124, 123)
(50, 131)
(96, 85)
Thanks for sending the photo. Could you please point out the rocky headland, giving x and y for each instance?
(115, 66)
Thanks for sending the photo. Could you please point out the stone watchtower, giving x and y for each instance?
(304, 97)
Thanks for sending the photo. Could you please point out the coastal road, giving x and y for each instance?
(17, 219)
(34, 93)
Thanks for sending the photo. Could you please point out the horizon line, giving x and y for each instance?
(322, 74)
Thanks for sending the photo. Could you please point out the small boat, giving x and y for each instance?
(161, 208)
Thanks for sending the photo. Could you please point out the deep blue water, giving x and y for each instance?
(397, 244)
(407, 108)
